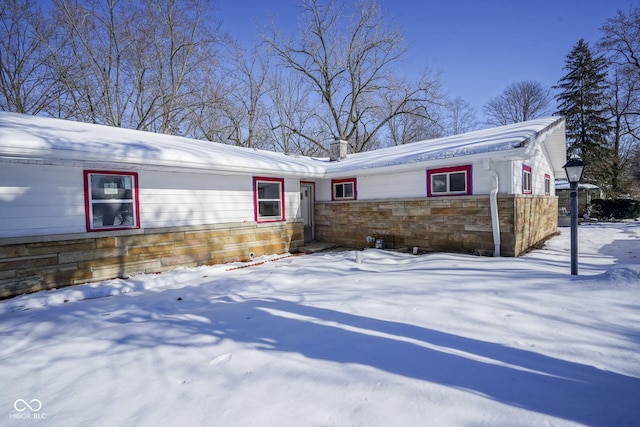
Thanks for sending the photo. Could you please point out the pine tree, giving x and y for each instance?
(582, 102)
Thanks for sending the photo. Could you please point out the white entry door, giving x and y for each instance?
(306, 209)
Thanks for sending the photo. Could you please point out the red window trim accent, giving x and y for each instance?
(341, 181)
(256, 215)
(87, 200)
(527, 168)
(451, 169)
(547, 187)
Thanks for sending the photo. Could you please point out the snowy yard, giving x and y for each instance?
(320, 340)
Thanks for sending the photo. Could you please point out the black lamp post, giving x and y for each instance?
(574, 169)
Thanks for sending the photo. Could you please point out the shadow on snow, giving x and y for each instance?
(521, 378)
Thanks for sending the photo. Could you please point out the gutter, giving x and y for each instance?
(347, 168)
(493, 201)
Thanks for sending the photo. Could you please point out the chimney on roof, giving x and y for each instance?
(338, 150)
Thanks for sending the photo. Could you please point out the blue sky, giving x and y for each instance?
(478, 46)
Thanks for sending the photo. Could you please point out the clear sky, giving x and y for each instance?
(478, 46)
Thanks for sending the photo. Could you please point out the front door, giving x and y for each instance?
(306, 209)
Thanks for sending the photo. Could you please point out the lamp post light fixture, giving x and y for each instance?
(574, 169)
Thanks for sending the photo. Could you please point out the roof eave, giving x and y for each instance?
(503, 155)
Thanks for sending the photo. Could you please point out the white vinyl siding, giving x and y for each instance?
(40, 200)
(45, 200)
(171, 199)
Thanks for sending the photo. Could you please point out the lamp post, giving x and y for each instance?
(574, 169)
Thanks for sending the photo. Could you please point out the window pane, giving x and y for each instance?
(339, 191)
(526, 180)
(458, 181)
(269, 190)
(269, 209)
(112, 214)
(269, 204)
(105, 187)
(348, 190)
(439, 183)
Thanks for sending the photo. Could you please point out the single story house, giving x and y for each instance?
(82, 202)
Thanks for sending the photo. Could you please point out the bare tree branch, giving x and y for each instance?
(347, 56)
(520, 101)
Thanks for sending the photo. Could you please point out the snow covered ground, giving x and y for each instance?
(321, 340)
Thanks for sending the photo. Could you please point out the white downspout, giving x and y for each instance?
(493, 201)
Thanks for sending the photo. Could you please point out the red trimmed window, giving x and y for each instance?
(526, 179)
(343, 189)
(547, 184)
(452, 181)
(268, 194)
(111, 200)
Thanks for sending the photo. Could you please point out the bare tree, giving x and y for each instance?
(122, 71)
(462, 116)
(97, 37)
(621, 38)
(421, 120)
(621, 43)
(291, 115)
(182, 36)
(27, 84)
(244, 106)
(622, 101)
(347, 55)
(404, 129)
(520, 101)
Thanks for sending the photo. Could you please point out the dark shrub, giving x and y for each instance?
(615, 208)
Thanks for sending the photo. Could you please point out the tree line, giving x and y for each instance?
(599, 95)
(170, 67)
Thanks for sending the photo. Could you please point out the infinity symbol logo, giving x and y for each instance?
(22, 405)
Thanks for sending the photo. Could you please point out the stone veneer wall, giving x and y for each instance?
(454, 224)
(45, 262)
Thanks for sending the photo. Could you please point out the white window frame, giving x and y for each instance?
(547, 184)
(336, 184)
(121, 204)
(527, 180)
(259, 214)
(447, 173)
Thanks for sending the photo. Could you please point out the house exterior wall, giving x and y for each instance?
(45, 200)
(413, 184)
(392, 186)
(34, 264)
(533, 219)
(186, 219)
(457, 224)
(540, 167)
(40, 199)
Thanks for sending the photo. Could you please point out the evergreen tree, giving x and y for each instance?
(582, 102)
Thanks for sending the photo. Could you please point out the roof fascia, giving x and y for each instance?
(506, 155)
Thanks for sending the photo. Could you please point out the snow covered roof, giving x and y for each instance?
(52, 141)
(563, 184)
(512, 141)
(41, 140)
